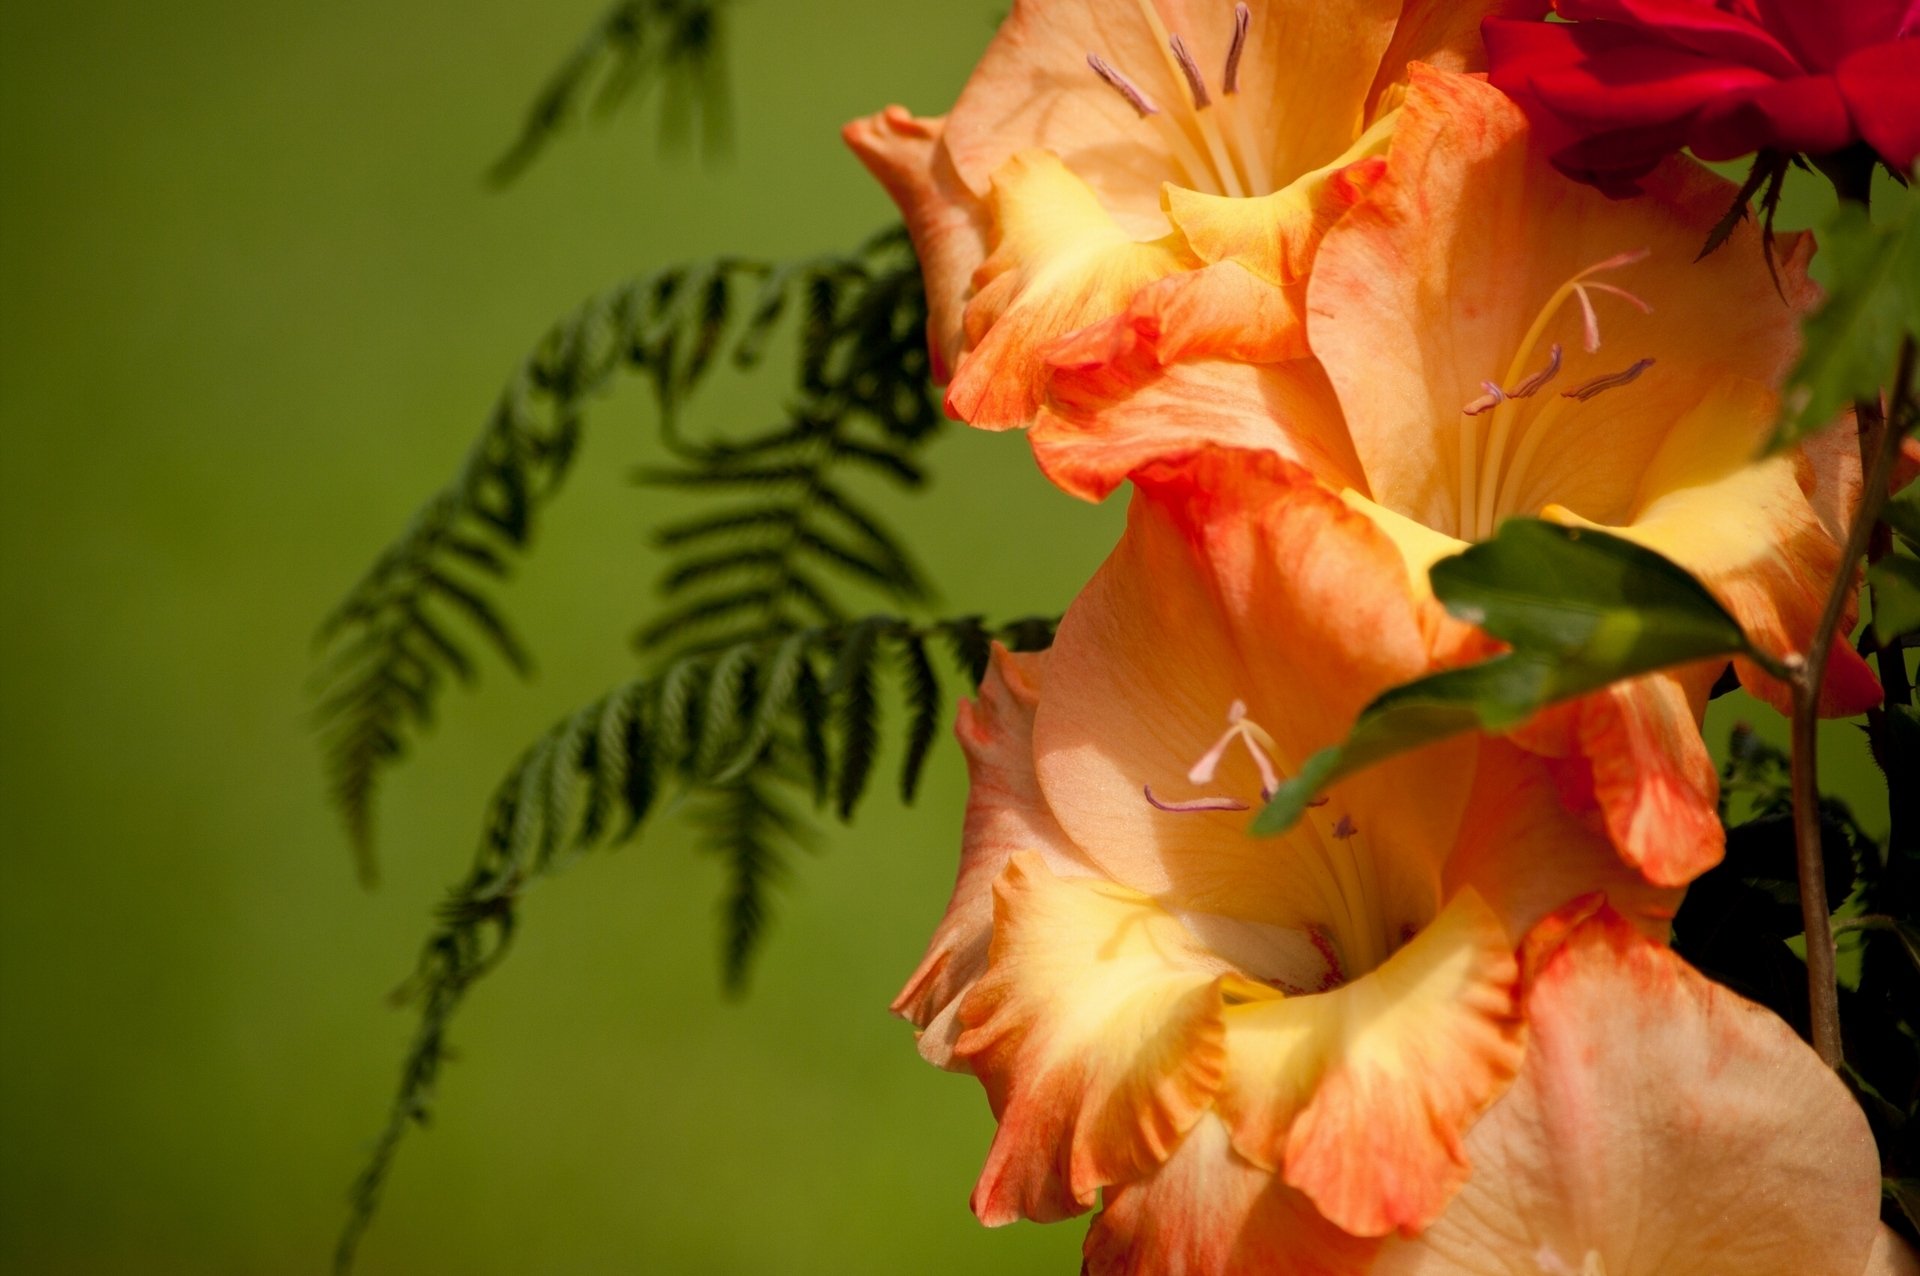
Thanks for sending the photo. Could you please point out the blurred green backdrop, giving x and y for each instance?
(255, 301)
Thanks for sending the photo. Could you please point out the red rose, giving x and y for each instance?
(1626, 82)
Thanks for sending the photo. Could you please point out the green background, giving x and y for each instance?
(255, 302)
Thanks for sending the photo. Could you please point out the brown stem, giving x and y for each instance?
(1880, 442)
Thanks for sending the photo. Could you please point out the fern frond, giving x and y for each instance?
(635, 45)
(920, 687)
(411, 618)
(759, 705)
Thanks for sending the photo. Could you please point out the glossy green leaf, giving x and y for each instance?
(1873, 301)
(1579, 608)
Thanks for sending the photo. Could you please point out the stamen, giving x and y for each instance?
(1191, 69)
(1535, 383)
(1608, 382)
(1242, 19)
(1589, 321)
(1487, 402)
(1122, 85)
(1195, 804)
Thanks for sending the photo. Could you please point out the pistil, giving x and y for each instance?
(1333, 856)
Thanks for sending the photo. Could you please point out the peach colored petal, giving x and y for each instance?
(1275, 235)
(1005, 814)
(1059, 263)
(1661, 1126)
(1747, 530)
(1528, 855)
(1240, 578)
(1430, 285)
(1303, 75)
(1891, 1256)
(1187, 364)
(1634, 752)
(1444, 34)
(1208, 1212)
(948, 222)
(1096, 1031)
(1362, 1095)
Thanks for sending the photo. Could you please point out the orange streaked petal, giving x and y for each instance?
(1275, 236)
(1059, 263)
(1444, 34)
(948, 222)
(1175, 372)
(1005, 814)
(1750, 533)
(1362, 1095)
(1661, 1126)
(1304, 77)
(1429, 285)
(1634, 752)
(1528, 855)
(1239, 578)
(1096, 1032)
(1208, 1212)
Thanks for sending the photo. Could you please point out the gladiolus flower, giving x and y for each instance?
(1493, 340)
(1266, 1053)
(1626, 83)
(1660, 1126)
(1102, 145)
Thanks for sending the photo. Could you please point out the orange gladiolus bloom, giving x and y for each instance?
(1266, 1053)
(1102, 145)
(1492, 340)
(1660, 1126)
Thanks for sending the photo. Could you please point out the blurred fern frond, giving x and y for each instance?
(747, 731)
(402, 632)
(634, 46)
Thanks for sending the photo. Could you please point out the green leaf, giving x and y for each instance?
(1902, 514)
(1579, 608)
(1585, 596)
(1873, 301)
(1895, 581)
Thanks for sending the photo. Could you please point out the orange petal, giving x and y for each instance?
(1304, 75)
(1661, 1126)
(1208, 1212)
(1634, 753)
(1444, 34)
(1240, 578)
(948, 222)
(1186, 364)
(1431, 283)
(1005, 814)
(1059, 263)
(1528, 855)
(1096, 1032)
(1891, 1257)
(1749, 531)
(1363, 1094)
(1275, 236)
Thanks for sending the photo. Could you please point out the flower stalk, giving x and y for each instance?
(1880, 436)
